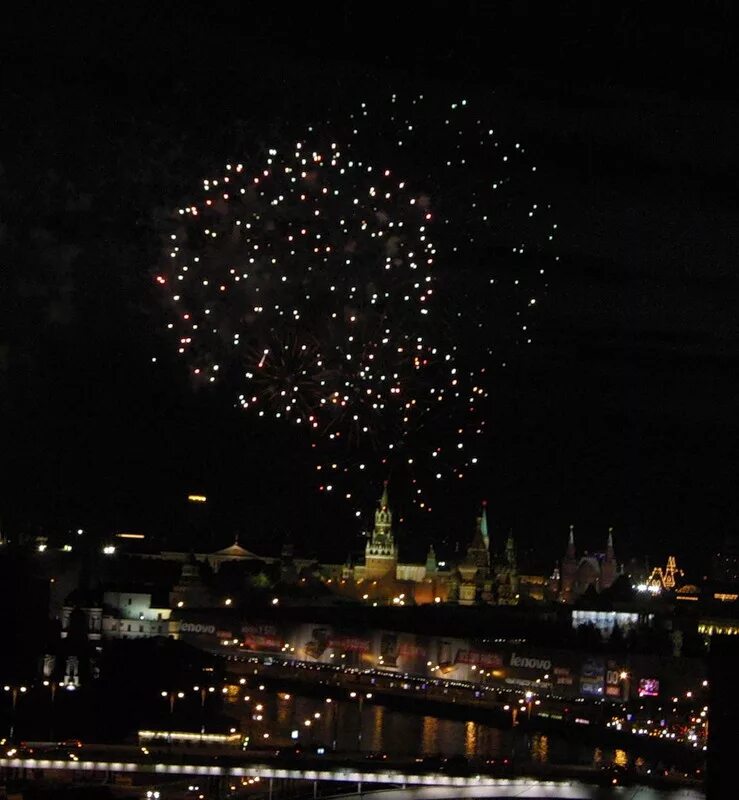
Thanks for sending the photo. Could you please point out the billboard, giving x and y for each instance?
(617, 680)
(262, 638)
(560, 673)
(551, 671)
(329, 645)
(592, 677)
(649, 687)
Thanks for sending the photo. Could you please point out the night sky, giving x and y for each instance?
(623, 410)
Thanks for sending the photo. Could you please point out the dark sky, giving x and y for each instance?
(623, 411)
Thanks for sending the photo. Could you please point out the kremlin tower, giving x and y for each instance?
(381, 554)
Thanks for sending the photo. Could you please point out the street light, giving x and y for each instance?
(334, 721)
(529, 701)
(172, 697)
(361, 698)
(204, 690)
(14, 692)
(52, 690)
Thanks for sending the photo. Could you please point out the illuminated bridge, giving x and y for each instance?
(407, 786)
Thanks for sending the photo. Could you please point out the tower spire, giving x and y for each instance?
(608, 567)
(571, 543)
(484, 524)
(510, 549)
(381, 554)
(382, 532)
(432, 564)
(569, 569)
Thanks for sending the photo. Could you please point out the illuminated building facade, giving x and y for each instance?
(381, 553)
(578, 574)
(483, 578)
(477, 578)
(118, 615)
(383, 578)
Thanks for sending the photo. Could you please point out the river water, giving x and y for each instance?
(310, 721)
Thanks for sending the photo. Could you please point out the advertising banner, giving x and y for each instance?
(592, 677)
(561, 673)
(261, 638)
(617, 680)
(648, 687)
(326, 644)
(550, 671)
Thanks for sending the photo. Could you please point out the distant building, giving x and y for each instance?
(576, 575)
(381, 552)
(190, 590)
(605, 622)
(87, 605)
(234, 552)
(382, 578)
(485, 579)
(117, 615)
(133, 615)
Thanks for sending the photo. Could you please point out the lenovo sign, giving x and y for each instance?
(196, 627)
(530, 662)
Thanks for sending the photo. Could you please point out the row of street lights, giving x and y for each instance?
(19, 690)
(204, 691)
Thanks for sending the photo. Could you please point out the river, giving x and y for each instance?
(271, 717)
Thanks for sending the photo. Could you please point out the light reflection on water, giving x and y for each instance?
(378, 727)
(470, 739)
(403, 734)
(540, 748)
(429, 733)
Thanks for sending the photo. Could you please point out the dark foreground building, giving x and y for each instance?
(723, 736)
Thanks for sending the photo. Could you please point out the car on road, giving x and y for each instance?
(616, 775)
(430, 762)
(497, 767)
(456, 765)
(302, 751)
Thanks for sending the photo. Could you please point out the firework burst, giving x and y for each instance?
(330, 290)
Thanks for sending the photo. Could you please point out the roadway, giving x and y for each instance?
(529, 791)
(106, 760)
(502, 707)
(423, 787)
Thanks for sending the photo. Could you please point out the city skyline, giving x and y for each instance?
(367, 383)
(618, 413)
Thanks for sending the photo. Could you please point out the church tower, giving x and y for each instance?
(484, 525)
(506, 575)
(569, 569)
(432, 565)
(608, 567)
(478, 552)
(474, 570)
(381, 554)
